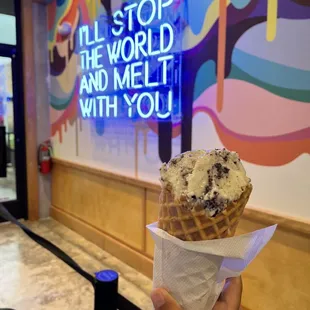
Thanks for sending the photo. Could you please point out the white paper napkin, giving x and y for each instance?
(194, 272)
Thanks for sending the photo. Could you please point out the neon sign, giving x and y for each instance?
(131, 67)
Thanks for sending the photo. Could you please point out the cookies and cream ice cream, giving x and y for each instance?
(212, 178)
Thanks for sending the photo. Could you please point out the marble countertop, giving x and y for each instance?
(33, 278)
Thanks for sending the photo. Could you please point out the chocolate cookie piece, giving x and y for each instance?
(209, 186)
(226, 170)
(207, 190)
(211, 204)
(174, 161)
(185, 171)
(221, 170)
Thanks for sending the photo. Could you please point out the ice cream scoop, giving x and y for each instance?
(213, 178)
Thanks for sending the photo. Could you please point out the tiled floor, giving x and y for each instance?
(33, 278)
(7, 185)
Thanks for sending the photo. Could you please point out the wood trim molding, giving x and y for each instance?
(265, 217)
(106, 174)
(30, 109)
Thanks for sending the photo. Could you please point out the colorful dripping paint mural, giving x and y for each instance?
(245, 86)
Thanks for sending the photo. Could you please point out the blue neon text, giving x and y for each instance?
(125, 68)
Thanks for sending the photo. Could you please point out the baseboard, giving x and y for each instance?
(129, 256)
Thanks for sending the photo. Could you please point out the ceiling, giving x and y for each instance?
(7, 7)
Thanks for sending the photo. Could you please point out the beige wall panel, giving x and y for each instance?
(112, 212)
(115, 208)
(152, 209)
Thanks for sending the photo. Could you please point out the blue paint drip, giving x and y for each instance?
(206, 77)
(99, 124)
(196, 12)
(240, 4)
(60, 2)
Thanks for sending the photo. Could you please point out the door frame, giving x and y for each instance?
(25, 47)
(17, 207)
(27, 98)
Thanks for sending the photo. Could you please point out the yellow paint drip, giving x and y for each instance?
(272, 16)
(190, 39)
(52, 54)
(94, 8)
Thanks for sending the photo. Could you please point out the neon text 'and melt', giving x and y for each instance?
(122, 57)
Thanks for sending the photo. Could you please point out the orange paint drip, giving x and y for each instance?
(60, 135)
(221, 54)
(77, 137)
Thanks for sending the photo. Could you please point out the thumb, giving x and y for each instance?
(162, 300)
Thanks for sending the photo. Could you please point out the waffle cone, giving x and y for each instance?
(189, 222)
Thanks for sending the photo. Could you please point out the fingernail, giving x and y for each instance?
(158, 299)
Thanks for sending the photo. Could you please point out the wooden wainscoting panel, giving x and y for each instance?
(112, 213)
(152, 209)
(131, 257)
(295, 225)
(279, 276)
(111, 206)
(58, 187)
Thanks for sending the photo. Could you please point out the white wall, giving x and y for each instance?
(39, 12)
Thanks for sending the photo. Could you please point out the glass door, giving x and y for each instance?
(12, 146)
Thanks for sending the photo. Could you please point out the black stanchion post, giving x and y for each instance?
(106, 290)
